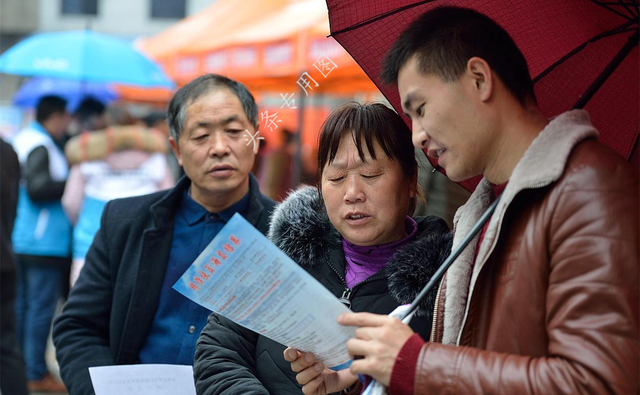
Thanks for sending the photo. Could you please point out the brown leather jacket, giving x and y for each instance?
(554, 300)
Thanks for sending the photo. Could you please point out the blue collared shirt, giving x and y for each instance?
(179, 321)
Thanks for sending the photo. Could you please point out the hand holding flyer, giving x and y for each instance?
(241, 275)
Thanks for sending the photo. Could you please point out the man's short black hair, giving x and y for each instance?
(445, 38)
(152, 119)
(90, 107)
(49, 105)
(201, 86)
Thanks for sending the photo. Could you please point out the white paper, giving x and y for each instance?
(244, 277)
(143, 380)
(375, 387)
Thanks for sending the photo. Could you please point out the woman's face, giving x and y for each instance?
(366, 201)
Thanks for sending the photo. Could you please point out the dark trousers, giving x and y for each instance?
(39, 288)
(13, 380)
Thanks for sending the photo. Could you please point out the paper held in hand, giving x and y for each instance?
(242, 276)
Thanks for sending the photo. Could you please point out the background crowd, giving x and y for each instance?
(106, 202)
(67, 179)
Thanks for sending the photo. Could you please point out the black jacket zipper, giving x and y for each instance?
(347, 292)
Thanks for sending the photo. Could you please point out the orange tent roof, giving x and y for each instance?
(146, 95)
(265, 44)
(281, 24)
(217, 20)
(274, 51)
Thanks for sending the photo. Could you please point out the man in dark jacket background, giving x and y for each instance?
(41, 236)
(13, 379)
(123, 309)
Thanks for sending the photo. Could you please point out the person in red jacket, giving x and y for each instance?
(547, 301)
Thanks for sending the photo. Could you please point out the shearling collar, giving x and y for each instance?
(300, 227)
(542, 164)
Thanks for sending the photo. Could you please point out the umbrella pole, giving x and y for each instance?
(437, 276)
(296, 172)
(611, 67)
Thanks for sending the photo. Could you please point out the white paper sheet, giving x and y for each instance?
(375, 387)
(244, 277)
(143, 380)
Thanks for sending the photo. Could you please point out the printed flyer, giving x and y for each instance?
(242, 276)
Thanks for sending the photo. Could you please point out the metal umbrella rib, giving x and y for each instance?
(618, 30)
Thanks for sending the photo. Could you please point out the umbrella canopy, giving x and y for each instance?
(82, 55)
(581, 53)
(33, 89)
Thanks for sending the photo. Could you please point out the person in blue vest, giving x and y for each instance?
(41, 235)
(123, 310)
(132, 162)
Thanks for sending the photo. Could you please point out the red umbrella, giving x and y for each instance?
(581, 53)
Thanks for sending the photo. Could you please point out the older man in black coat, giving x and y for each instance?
(123, 310)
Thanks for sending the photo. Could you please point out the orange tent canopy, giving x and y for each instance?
(267, 48)
(217, 20)
(156, 96)
(266, 44)
(291, 18)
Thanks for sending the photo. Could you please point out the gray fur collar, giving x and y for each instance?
(300, 227)
(542, 164)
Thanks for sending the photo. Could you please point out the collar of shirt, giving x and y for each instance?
(193, 212)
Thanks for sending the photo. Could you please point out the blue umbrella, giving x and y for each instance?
(33, 89)
(82, 55)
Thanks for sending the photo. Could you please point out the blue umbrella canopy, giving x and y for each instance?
(82, 55)
(34, 88)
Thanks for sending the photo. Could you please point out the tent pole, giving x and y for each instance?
(296, 172)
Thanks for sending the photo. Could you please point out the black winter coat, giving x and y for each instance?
(9, 185)
(111, 308)
(232, 360)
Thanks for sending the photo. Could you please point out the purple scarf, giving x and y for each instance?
(364, 262)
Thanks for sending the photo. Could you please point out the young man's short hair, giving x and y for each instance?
(49, 105)
(445, 38)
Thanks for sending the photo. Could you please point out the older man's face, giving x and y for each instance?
(213, 146)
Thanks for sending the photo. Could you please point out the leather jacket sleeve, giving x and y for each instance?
(592, 306)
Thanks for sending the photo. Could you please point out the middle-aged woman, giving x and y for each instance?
(354, 234)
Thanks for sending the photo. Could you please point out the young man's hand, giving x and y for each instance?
(379, 339)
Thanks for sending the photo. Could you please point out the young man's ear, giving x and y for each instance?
(482, 77)
(413, 190)
(176, 149)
